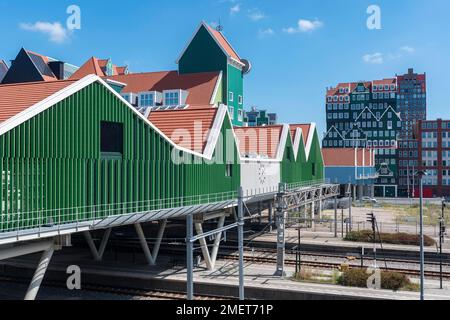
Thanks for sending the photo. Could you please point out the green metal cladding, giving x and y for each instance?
(300, 169)
(204, 55)
(52, 164)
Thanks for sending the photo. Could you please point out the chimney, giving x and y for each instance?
(57, 68)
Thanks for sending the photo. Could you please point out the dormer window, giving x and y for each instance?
(172, 98)
(146, 100)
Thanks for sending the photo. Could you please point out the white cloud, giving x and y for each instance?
(375, 58)
(235, 9)
(304, 25)
(308, 25)
(256, 16)
(55, 31)
(408, 49)
(266, 32)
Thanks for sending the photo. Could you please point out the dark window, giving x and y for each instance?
(111, 137)
(313, 169)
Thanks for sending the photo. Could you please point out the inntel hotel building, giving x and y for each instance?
(382, 115)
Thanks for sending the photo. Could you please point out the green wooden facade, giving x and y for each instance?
(53, 170)
(203, 54)
(302, 168)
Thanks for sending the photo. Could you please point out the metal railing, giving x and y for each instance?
(46, 218)
(10, 222)
(307, 184)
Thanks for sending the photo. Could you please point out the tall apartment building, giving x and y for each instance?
(364, 115)
(412, 105)
(380, 114)
(434, 157)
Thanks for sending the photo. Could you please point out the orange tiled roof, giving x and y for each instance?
(199, 85)
(121, 70)
(96, 66)
(263, 141)
(306, 128)
(92, 66)
(224, 43)
(340, 157)
(385, 81)
(188, 128)
(16, 98)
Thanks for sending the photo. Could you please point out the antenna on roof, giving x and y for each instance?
(219, 26)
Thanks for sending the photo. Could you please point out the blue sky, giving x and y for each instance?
(293, 61)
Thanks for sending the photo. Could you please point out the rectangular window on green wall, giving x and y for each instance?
(111, 138)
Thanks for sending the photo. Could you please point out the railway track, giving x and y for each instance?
(333, 265)
(120, 291)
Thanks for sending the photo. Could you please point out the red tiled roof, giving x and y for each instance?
(224, 43)
(121, 70)
(187, 128)
(385, 81)
(92, 66)
(16, 98)
(263, 141)
(306, 128)
(340, 157)
(96, 66)
(199, 85)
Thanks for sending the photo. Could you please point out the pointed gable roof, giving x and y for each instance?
(260, 141)
(91, 66)
(305, 129)
(221, 41)
(98, 67)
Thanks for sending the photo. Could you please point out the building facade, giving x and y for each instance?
(256, 118)
(412, 105)
(209, 51)
(434, 157)
(364, 115)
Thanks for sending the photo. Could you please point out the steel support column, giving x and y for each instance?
(149, 256)
(270, 215)
(281, 236)
(189, 257)
(335, 217)
(241, 243)
(39, 274)
(98, 254)
(210, 260)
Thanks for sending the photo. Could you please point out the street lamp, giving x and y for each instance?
(420, 174)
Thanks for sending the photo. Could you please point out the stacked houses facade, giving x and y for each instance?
(370, 114)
